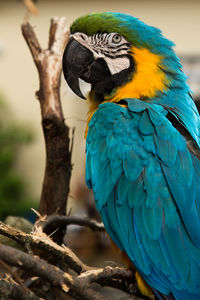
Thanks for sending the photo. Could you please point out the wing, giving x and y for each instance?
(146, 186)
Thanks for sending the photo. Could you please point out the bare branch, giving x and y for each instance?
(14, 275)
(52, 274)
(40, 240)
(58, 156)
(116, 277)
(34, 265)
(10, 289)
(32, 42)
(31, 7)
(51, 223)
(99, 275)
(57, 42)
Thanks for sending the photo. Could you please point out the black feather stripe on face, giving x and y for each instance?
(104, 88)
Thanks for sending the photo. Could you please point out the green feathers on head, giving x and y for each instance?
(134, 30)
(95, 22)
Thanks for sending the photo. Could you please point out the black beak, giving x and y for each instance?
(79, 62)
(76, 58)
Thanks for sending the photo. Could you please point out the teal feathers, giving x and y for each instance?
(150, 197)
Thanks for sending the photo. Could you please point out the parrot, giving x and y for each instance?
(142, 148)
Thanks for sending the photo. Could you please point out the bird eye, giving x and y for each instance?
(116, 38)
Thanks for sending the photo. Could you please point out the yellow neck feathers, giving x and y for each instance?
(147, 80)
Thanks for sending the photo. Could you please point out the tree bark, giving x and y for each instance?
(56, 181)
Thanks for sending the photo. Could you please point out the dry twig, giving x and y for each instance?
(51, 223)
(41, 241)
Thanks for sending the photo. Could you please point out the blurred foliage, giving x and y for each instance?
(13, 190)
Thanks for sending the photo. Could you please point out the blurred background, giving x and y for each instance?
(22, 153)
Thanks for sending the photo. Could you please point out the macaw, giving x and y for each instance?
(142, 148)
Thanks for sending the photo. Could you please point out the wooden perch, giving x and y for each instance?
(79, 286)
(58, 153)
(41, 241)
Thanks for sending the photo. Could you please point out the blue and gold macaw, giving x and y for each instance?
(142, 148)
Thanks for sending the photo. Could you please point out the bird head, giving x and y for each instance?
(120, 56)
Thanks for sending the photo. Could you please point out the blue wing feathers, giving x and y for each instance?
(153, 220)
(146, 186)
(112, 234)
(180, 259)
(122, 193)
(137, 193)
(146, 126)
(165, 150)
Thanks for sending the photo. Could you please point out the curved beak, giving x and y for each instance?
(76, 59)
(79, 62)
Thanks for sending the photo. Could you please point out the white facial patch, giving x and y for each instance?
(101, 46)
(117, 65)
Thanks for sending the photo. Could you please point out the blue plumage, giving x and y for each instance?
(149, 198)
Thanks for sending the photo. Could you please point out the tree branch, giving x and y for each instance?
(58, 156)
(32, 43)
(40, 240)
(116, 277)
(51, 223)
(74, 286)
(14, 275)
(10, 289)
